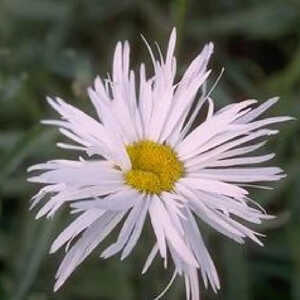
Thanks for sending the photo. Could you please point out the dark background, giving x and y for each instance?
(57, 48)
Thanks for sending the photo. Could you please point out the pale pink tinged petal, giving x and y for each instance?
(171, 47)
(210, 128)
(221, 138)
(199, 64)
(126, 58)
(187, 287)
(163, 92)
(207, 266)
(214, 186)
(173, 66)
(210, 217)
(80, 174)
(161, 58)
(216, 222)
(235, 131)
(49, 208)
(191, 167)
(219, 225)
(118, 151)
(58, 123)
(210, 111)
(197, 67)
(247, 232)
(101, 91)
(85, 245)
(154, 62)
(139, 124)
(232, 206)
(177, 260)
(180, 108)
(125, 231)
(174, 218)
(241, 174)
(158, 230)
(241, 150)
(172, 235)
(75, 228)
(145, 101)
(150, 258)
(160, 114)
(257, 111)
(117, 63)
(256, 186)
(73, 194)
(175, 212)
(240, 161)
(121, 200)
(219, 151)
(81, 128)
(132, 95)
(194, 282)
(44, 191)
(74, 137)
(78, 118)
(95, 99)
(222, 223)
(174, 202)
(70, 147)
(136, 231)
(123, 90)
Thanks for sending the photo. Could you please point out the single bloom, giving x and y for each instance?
(143, 158)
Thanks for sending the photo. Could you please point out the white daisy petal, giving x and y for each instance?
(220, 151)
(75, 173)
(89, 240)
(158, 230)
(240, 161)
(121, 200)
(117, 142)
(214, 186)
(258, 111)
(81, 223)
(211, 128)
(150, 258)
(171, 234)
(241, 174)
(207, 266)
(241, 150)
(186, 90)
(136, 231)
(125, 232)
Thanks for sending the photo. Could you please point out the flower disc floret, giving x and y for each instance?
(155, 167)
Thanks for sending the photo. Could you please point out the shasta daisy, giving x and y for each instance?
(144, 158)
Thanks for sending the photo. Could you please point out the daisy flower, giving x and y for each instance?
(144, 159)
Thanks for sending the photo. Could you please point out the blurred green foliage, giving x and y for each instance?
(51, 47)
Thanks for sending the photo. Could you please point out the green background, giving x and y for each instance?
(57, 48)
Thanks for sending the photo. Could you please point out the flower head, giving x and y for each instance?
(148, 161)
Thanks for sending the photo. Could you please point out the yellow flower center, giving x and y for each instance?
(155, 167)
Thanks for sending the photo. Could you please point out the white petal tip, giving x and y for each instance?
(52, 250)
(38, 216)
(123, 256)
(56, 287)
(35, 179)
(29, 169)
